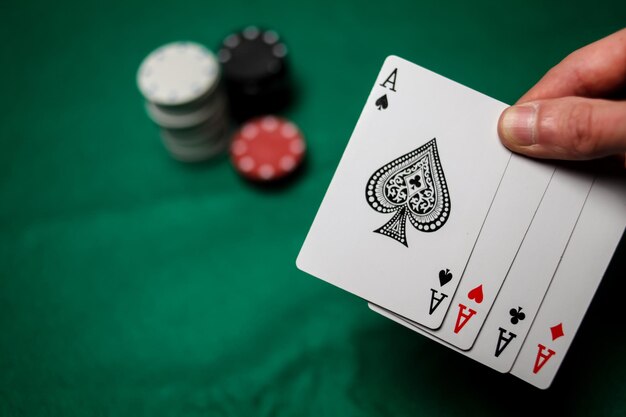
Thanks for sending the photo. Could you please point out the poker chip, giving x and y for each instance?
(204, 133)
(173, 119)
(267, 148)
(192, 95)
(252, 55)
(255, 71)
(182, 86)
(194, 149)
(177, 73)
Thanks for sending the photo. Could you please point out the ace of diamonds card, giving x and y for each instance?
(407, 202)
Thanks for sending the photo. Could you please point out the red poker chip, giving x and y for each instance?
(267, 148)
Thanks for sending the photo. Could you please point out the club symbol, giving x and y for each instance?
(516, 315)
(382, 102)
(414, 188)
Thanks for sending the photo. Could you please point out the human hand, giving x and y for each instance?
(570, 113)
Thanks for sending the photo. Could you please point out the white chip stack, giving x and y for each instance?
(181, 83)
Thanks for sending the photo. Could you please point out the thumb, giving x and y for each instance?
(565, 128)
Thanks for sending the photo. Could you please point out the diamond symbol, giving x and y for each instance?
(557, 331)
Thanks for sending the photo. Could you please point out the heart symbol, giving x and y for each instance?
(382, 103)
(444, 277)
(476, 294)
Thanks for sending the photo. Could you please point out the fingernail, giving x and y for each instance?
(518, 124)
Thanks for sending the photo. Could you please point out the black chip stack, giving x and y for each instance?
(255, 71)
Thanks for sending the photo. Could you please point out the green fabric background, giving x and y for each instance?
(133, 285)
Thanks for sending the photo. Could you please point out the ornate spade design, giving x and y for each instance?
(412, 186)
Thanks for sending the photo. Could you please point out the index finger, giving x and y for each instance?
(591, 71)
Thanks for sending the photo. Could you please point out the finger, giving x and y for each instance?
(565, 128)
(591, 71)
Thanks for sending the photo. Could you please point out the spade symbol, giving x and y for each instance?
(413, 187)
(444, 276)
(382, 103)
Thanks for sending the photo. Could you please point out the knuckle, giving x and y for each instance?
(579, 128)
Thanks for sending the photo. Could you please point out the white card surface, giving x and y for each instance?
(529, 277)
(588, 254)
(589, 250)
(411, 192)
(520, 193)
(532, 271)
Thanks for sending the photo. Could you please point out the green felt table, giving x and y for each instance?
(131, 284)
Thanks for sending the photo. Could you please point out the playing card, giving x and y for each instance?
(593, 242)
(404, 209)
(531, 272)
(529, 276)
(516, 202)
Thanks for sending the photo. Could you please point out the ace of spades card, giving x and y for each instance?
(407, 202)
